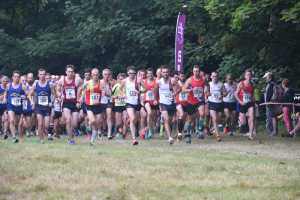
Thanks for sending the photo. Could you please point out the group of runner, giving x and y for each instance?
(137, 101)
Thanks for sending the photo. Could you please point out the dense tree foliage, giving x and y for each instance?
(231, 35)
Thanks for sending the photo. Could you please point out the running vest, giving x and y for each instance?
(14, 96)
(149, 96)
(70, 91)
(132, 97)
(2, 91)
(246, 93)
(215, 92)
(165, 92)
(119, 102)
(26, 103)
(196, 96)
(230, 98)
(43, 94)
(57, 105)
(105, 99)
(93, 95)
(182, 98)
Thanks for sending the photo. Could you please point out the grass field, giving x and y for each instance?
(266, 168)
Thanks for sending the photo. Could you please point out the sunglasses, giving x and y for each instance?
(131, 72)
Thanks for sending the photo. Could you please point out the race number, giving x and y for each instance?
(1, 101)
(230, 97)
(198, 93)
(247, 98)
(150, 96)
(43, 100)
(183, 97)
(133, 95)
(70, 94)
(166, 96)
(214, 96)
(121, 101)
(25, 104)
(95, 98)
(16, 101)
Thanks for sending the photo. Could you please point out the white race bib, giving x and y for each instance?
(43, 100)
(70, 94)
(132, 95)
(166, 96)
(95, 98)
(57, 106)
(214, 96)
(198, 93)
(247, 98)
(25, 104)
(183, 97)
(16, 101)
(230, 97)
(1, 101)
(121, 101)
(150, 96)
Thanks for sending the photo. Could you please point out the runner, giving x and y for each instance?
(167, 94)
(215, 99)
(3, 107)
(43, 104)
(181, 102)
(67, 91)
(15, 92)
(93, 101)
(230, 106)
(133, 98)
(195, 87)
(151, 109)
(245, 90)
(33, 120)
(57, 113)
(107, 102)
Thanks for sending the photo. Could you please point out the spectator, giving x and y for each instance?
(288, 97)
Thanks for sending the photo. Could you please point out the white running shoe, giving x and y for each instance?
(171, 140)
(248, 134)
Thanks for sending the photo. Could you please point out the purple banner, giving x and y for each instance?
(179, 41)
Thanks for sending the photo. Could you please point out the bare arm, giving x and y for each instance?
(225, 93)
(121, 87)
(237, 91)
(5, 94)
(143, 85)
(175, 83)
(186, 88)
(59, 87)
(82, 88)
(155, 92)
(53, 92)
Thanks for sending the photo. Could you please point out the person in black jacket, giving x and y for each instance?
(268, 96)
(288, 97)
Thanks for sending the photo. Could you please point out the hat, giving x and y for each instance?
(266, 74)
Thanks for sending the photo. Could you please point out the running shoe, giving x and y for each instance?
(161, 134)
(56, 135)
(171, 140)
(5, 136)
(200, 135)
(225, 130)
(16, 132)
(218, 138)
(100, 136)
(28, 135)
(188, 138)
(72, 142)
(110, 137)
(137, 134)
(15, 140)
(134, 142)
(22, 140)
(123, 137)
(118, 135)
(230, 134)
(89, 138)
(31, 133)
(143, 137)
(248, 134)
(250, 138)
(80, 132)
(92, 143)
(143, 132)
(49, 138)
(150, 135)
(105, 133)
(179, 136)
(126, 136)
(76, 132)
(65, 132)
(89, 129)
(42, 142)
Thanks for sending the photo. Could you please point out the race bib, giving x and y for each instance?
(16, 101)
(57, 106)
(70, 94)
(25, 104)
(166, 96)
(198, 93)
(1, 101)
(214, 96)
(133, 95)
(94, 98)
(183, 97)
(43, 100)
(230, 97)
(150, 96)
(247, 98)
(121, 101)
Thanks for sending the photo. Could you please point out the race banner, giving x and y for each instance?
(179, 41)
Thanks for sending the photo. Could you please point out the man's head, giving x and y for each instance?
(95, 74)
(196, 71)
(202, 73)
(270, 76)
(248, 75)
(30, 79)
(23, 80)
(286, 83)
(105, 74)
(121, 77)
(142, 74)
(42, 74)
(5, 81)
(131, 71)
(16, 75)
(70, 71)
(158, 73)
(48, 77)
(182, 76)
(229, 78)
(111, 76)
(52, 77)
(207, 76)
(266, 76)
(165, 71)
(57, 77)
(175, 75)
(87, 74)
(214, 77)
(150, 74)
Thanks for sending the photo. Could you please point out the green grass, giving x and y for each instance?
(266, 168)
